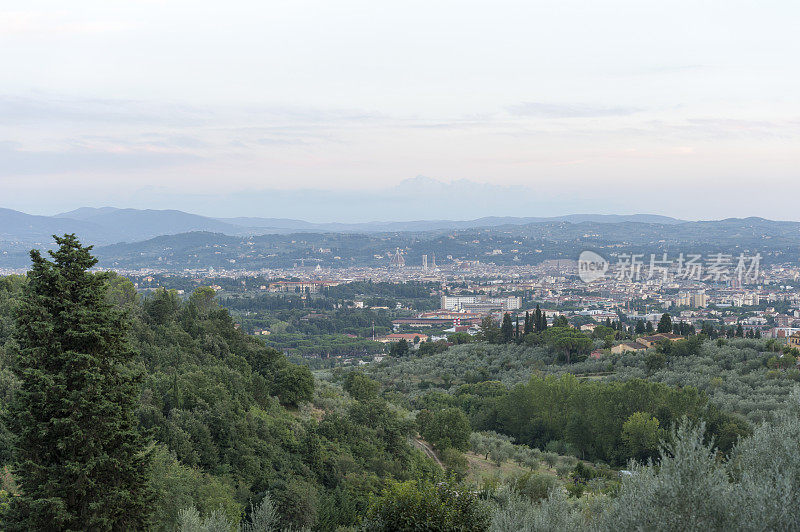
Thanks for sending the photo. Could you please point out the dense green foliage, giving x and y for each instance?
(445, 428)
(736, 375)
(418, 293)
(593, 419)
(622, 411)
(311, 326)
(323, 345)
(80, 458)
(425, 506)
(690, 488)
(208, 397)
(230, 419)
(240, 438)
(360, 387)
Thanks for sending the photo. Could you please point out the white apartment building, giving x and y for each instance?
(480, 302)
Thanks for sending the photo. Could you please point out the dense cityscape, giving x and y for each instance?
(763, 298)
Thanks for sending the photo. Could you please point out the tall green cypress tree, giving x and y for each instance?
(528, 323)
(540, 320)
(80, 459)
(507, 329)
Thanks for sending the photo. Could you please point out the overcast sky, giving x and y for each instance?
(684, 108)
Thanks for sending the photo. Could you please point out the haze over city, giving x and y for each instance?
(681, 108)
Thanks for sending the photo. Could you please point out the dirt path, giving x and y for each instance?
(419, 443)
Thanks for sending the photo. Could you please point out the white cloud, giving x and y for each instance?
(554, 110)
(18, 162)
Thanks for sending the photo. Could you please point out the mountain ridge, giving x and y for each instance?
(285, 246)
(109, 225)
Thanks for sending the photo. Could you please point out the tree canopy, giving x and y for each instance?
(80, 455)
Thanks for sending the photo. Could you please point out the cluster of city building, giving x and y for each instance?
(767, 299)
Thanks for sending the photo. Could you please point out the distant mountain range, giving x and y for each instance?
(176, 239)
(103, 226)
(108, 225)
(502, 245)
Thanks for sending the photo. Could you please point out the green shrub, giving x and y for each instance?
(550, 459)
(427, 506)
(455, 461)
(445, 428)
(562, 470)
(534, 486)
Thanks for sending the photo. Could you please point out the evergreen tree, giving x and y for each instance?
(665, 325)
(80, 460)
(648, 328)
(528, 323)
(490, 332)
(506, 329)
(539, 320)
(399, 349)
(739, 331)
(640, 327)
(561, 321)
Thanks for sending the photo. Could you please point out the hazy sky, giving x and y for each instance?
(685, 108)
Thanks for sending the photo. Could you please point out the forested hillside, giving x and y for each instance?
(230, 421)
(749, 377)
(127, 412)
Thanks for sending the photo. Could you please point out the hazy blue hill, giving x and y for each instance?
(495, 221)
(24, 228)
(729, 231)
(284, 224)
(744, 229)
(133, 224)
(531, 244)
(617, 218)
(84, 213)
(104, 226)
(197, 249)
(359, 243)
(277, 224)
(179, 242)
(107, 225)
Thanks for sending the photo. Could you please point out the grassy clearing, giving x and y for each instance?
(481, 469)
